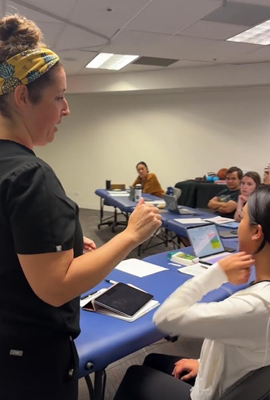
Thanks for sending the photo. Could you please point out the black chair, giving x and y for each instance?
(253, 386)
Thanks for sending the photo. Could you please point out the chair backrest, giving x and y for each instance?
(253, 386)
(177, 193)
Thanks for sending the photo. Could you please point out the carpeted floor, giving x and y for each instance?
(183, 347)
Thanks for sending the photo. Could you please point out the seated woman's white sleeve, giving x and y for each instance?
(227, 320)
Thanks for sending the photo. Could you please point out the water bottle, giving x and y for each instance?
(138, 192)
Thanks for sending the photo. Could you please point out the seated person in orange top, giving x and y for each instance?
(148, 180)
(225, 203)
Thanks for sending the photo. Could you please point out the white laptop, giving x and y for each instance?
(207, 244)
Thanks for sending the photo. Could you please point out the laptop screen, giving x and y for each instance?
(171, 203)
(131, 193)
(205, 240)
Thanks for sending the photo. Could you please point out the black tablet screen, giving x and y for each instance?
(123, 299)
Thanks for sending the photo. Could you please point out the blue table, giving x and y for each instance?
(104, 340)
(180, 229)
(126, 207)
(123, 203)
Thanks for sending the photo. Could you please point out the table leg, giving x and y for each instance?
(106, 221)
(166, 237)
(119, 223)
(101, 209)
(99, 386)
(90, 387)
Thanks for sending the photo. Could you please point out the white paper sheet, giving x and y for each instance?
(145, 309)
(190, 220)
(117, 191)
(194, 270)
(157, 202)
(219, 220)
(119, 194)
(139, 268)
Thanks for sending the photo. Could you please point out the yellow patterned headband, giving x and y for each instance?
(25, 67)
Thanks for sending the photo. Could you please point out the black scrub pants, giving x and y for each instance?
(154, 381)
(38, 368)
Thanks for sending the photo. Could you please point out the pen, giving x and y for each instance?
(110, 281)
(88, 295)
(203, 266)
(174, 264)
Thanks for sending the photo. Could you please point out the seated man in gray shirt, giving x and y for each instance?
(225, 202)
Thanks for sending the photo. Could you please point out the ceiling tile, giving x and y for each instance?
(205, 49)
(128, 68)
(171, 16)
(50, 31)
(212, 30)
(136, 68)
(169, 29)
(156, 45)
(137, 43)
(93, 14)
(62, 8)
(75, 61)
(256, 2)
(12, 8)
(239, 14)
(73, 38)
(192, 63)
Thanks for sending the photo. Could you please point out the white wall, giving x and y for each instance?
(180, 136)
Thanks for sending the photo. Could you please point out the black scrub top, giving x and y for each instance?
(36, 217)
(226, 195)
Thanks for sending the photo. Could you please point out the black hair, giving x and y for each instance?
(143, 163)
(235, 169)
(259, 212)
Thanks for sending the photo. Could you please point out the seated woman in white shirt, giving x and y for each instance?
(237, 329)
(249, 183)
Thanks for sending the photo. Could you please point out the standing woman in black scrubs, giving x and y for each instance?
(42, 269)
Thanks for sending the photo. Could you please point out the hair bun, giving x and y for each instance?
(20, 30)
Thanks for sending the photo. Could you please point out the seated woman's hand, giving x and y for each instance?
(186, 369)
(243, 198)
(144, 221)
(237, 267)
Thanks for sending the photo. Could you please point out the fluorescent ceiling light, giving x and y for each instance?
(111, 61)
(260, 34)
